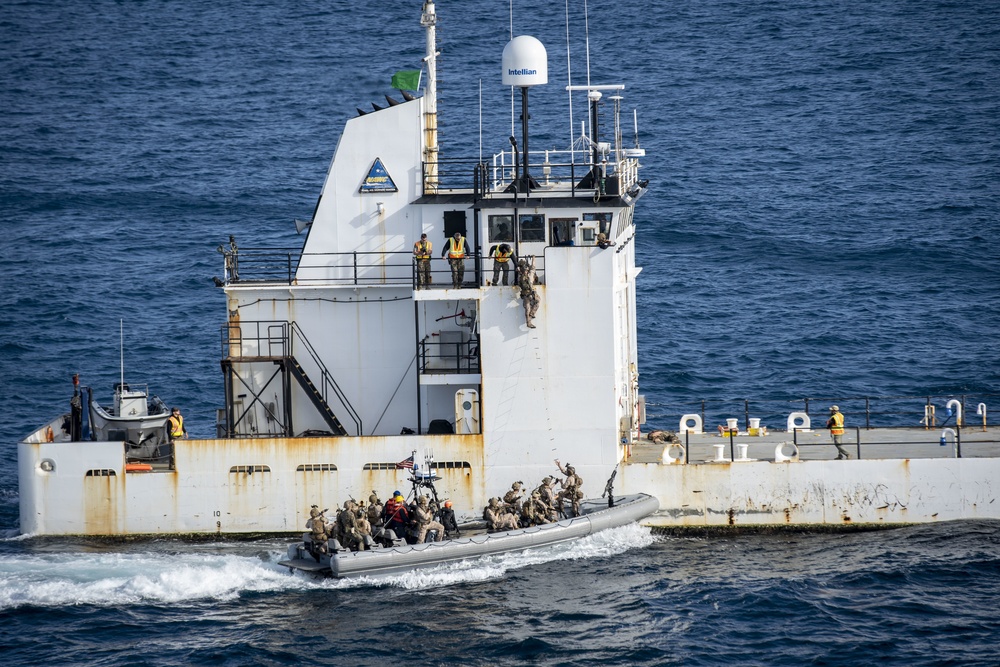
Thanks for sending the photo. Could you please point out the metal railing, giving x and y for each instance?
(927, 411)
(443, 356)
(274, 339)
(285, 266)
(556, 171)
(862, 444)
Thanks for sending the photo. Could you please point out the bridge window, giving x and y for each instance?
(603, 220)
(501, 228)
(532, 227)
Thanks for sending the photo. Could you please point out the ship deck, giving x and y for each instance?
(816, 445)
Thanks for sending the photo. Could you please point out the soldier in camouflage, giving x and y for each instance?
(375, 508)
(497, 519)
(425, 521)
(350, 535)
(512, 499)
(547, 498)
(571, 489)
(526, 285)
(317, 532)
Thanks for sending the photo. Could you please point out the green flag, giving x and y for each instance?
(406, 79)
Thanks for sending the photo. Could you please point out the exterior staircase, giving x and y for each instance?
(294, 368)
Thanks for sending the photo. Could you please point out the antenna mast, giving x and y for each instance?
(429, 21)
(121, 349)
(569, 82)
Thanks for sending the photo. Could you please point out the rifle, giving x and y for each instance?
(609, 488)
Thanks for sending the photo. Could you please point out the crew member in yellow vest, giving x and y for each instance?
(454, 250)
(501, 260)
(175, 425)
(422, 252)
(836, 425)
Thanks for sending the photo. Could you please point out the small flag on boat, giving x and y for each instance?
(406, 463)
(406, 79)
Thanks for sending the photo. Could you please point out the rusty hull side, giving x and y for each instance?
(764, 493)
(229, 486)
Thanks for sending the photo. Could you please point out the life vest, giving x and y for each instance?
(837, 424)
(501, 256)
(456, 250)
(422, 249)
(176, 426)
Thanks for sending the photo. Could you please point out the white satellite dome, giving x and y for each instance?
(525, 62)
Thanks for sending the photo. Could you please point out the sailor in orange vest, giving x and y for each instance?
(422, 252)
(501, 260)
(836, 425)
(175, 425)
(455, 252)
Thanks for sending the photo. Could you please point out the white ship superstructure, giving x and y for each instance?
(338, 366)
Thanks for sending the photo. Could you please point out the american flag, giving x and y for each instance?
(406, 463)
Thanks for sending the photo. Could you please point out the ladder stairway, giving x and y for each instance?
(314, 394)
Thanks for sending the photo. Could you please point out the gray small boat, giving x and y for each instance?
(595, 516)
(135, 417)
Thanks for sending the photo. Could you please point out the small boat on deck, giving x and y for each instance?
(134, 417)
(595, 516)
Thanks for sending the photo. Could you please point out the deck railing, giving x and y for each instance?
(927, 411)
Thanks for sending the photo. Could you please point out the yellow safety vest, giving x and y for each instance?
(501, 257)
(838, 424)
(456, 250)
(176, 426)
(423, 249)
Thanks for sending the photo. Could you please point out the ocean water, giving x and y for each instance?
(822, 221)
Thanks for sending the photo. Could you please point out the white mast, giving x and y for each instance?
(429, 20)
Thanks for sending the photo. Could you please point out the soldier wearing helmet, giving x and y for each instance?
(512, 499)
(497, 519)
(571, 489)
(425, 521)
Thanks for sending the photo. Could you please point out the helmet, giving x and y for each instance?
(570, 469)
(447, 503)
(396, 493)
(515, 486)
(494, 502)
(347, 504)
(834, 408)
(373, 498)
(547, 480)
(313, 513)
(422, 500)
(398, 497)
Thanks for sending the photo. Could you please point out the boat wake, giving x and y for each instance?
(117, 579)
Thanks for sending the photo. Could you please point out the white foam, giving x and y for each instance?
(600, 545)
(114, 579)
(120, 579)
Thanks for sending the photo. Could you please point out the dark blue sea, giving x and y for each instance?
(823, 221)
